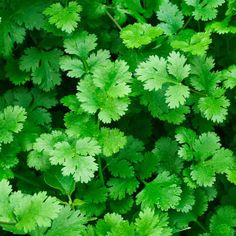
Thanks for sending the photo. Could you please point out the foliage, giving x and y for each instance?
(117, 117)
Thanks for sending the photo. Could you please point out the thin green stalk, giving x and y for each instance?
(199, 26)
(201, 226)
(85, 65)
(28, 181)
(187, 22)
(113, 20)
(63, 202)
(92, 219)
(100, 172)
(197, 92)
(7, 223)
(181, 230)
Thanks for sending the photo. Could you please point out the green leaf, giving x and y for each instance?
(16, 76)
(148, 166)
(69, 222)
(87, 146)
(214, 108)
(166, 187)
(229, 77)
(157, 106)
(5, 213)
(223, 160)
(121, 168)
(113, 79)
(26, 212)
(187, 200)
(224, 221)
(221, 27)
(10, 32)
(177, 66)
(114, 225)
(33, 211)
(122, 206)
(118, 188)
(185, 135)
(94, 192)
(54, 178)
(66, 18)
(189, 41)
(176, 95)
(166, 157)
(74, 66)
(29, 15)
(139, 34)
(151, 223)
(111, 140)
(43, 66)
(206, 145)
(153, 73)
(11, 121)
(106, 91)
(80, 44)
(171, 16)
(204, 10)
(79, 162)
(203, 174)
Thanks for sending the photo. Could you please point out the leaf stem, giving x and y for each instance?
(181, 230)
(92, 219)
(24, 179)
(197, 92)
(100, 172)
(7, 223)
(113, 20)
(187, 22)
(199, 26)
(63, 202)
(85, 65)
(201, 226)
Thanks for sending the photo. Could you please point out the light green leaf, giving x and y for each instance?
(152, 224)
(80, 44)
(176, 95)
(171, 16)
(111, 140)
(69, 222)
(214, 108)
(65, 18)
(177, 66)
(139, 34)
(153, 73)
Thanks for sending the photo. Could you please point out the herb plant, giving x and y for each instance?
(117, 117)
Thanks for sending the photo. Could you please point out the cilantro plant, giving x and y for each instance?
(117, 117)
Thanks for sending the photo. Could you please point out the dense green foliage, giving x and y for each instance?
(117, 117)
